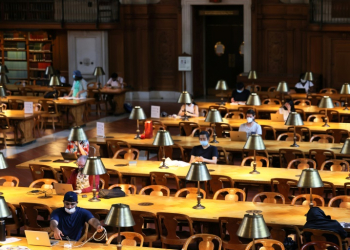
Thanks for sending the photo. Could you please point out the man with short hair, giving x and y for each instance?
(205, 152)
(240, 94)
(69, 221)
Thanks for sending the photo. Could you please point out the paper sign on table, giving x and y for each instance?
(28, 107)
(100, 127)
(155, 111)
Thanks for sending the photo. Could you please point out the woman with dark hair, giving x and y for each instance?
(286, 109)
(191, 109)
(250, 127)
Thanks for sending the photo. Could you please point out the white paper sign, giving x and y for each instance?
(155, 111)
(28, 107)
(100, 127)
(185, 63)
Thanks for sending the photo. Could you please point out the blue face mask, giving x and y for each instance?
(204, 143)
(239, 91)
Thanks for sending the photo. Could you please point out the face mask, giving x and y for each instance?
(204, 143)
(70, 211)
(239, 91)
(303, 81)
(249, 119)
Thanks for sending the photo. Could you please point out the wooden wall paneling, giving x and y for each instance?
(315, 53)
(116, 52)
(60, 53)
(340, 62)
(290, 51)
(198, 53)
(276, 51)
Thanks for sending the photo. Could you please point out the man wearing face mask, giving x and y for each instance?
(303, 84)
(240, 94)
(79, 86)
(205, 152)
(82, 183)
(250, 127)
(69, 221)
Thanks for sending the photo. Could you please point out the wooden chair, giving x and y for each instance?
(222, 129)
(316, 118)
(30, 212)
(141, 218)
(302, 113)
(306, 198)
(42, 171)
(126, 188)
(100, 215)
(245, 109)
(283, 186)
(130, 239)
(272, 89)
(339, 135)
(206, 243)
(155, 190)
(328, 188)
(3, 106)
(328, 91)
(46, 183)
(333, 115)
(10, 181)
(14, 222)
(232, 194)
(265, 131)
(186, 128)
(107, 176)
(223, 156)
(343, 200)
(286, 155)
(170, 221)
(272, 101)
(162, 178)
(319, 235)
(66, 173)
(256, 88)
(320, 245)
(267, 244)
(15, 104)
(270, 197)
(301, 163)
(190, 193)
(173, 152)
(27, 90)
(235, 115)
(335, 165)
(321, 155)
(127, 154)
(222, 110)
(322, 138)
(302, 102)
(218, 182)
(260, 161)
(99, 99)
(228, 233)
(305, 132)
(114, 145)
(288, 137)
(5, 128)
(51, 113)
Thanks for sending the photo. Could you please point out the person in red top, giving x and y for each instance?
(78, 147)
(82, 183)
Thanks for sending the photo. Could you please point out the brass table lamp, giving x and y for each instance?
(3, 69)
(345, 150)
(119, 216)
(137, 114)
(163, 138)
(98, 72)
(252, 76)
(282, 88)
(94, 166)
(345, 90)
(4, 79)
(253, 99)
(198, 172)
(254, 142)
(310, 178)
(55, 81)
(221, 85)
(3, 165)
(2, 95)
(294, 119)
(253, 226)
(308, 76)
(214, 116)
(185, 98)
(4, 212)
(49, 71)
(77, 134)
(326, 103)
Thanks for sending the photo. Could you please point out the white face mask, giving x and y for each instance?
(303, 81)
(70, 211)
(249, 119)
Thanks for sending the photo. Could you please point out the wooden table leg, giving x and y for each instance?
(77, 113)
(119, 100)
(26, 128)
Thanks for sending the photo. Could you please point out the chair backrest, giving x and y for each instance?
(156, 190)
(107, 176)
(16, 104)
(270, 197)
(3, 106)
(260, 161)
(320, 245)
(302, 163)
(339, 135)
(316, 118)
(221, 128)
(171, 152)
(235, 115)
(42, 171)
(305, 132)
(27, 90)
(47, 106)
(329, 91)
(245, 109)
(335, 165)
(206, 243)
(127, 154)
(10, 181)
(190, 193)
(283, 185)
(186, 128)
(30, 214)
(223, 156)
(306, 202)
(326, 185)
(344, 201)
(126, 188)
(287, 154)
(265, 129)
(228, 231)
(253, 87)
(231, 194)
(272, 101)
(66, 172)
(319, 235)
(45, 183)
(161, 178)
(217, 182)
(14, 217)
(130, 239)
(288, 137)
(302, 113)
(114, 145)
(322, 138)
(140, 217)
(272, 89)
(321, 155)
(302, 102)
(267, 244)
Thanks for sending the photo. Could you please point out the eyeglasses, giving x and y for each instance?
(66, 203)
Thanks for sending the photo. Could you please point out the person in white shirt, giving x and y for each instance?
(286, 109)
(62, 78)
(191, 109)
(250, 127)
(304, 84)
(114, 82)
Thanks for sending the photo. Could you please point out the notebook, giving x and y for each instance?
(238, 136)
(39, 238)
(277, 117)
(62, 188)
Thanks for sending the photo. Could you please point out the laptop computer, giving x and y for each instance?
(300, 91)
(39, 238)
(62, 188)
(238, 136)
(277, 117)
(69, 156)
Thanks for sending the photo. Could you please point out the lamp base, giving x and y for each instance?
(1, 193)
(346, 108)
(214, 141)
(185, 118)
(254, 172)
(295, 145)
(119, 247)
(325, 125)
(94, 199)
(198, 206)
(164, 167)
(137, 137)
(348, 178)
(2, 230)
(223, 103)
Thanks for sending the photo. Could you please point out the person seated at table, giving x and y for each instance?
(79, 86)
(250, 127)
(113, 82)
(205, 152)
(240, 94)
(78, 147)
(82, 183)
(304, 84)
(317, 219)
(68, 221)
(191, 109)
(286, 109)
(62, 78)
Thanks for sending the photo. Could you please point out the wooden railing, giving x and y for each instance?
(330, 11)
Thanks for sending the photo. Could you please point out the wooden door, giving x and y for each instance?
(340, 63)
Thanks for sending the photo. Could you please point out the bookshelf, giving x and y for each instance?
(26, 55)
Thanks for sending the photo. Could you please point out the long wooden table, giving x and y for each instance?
(36, 88)
(237, 173)
(118, 97)
(278, 214)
